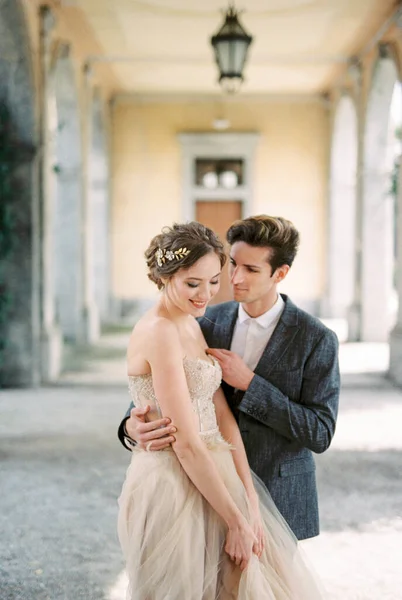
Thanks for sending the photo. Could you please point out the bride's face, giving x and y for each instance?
(191, 289)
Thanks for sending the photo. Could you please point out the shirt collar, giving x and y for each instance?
(267, 318)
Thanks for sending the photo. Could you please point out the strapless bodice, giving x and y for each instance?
(203, 379)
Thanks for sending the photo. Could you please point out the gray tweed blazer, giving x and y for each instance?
(289, 410)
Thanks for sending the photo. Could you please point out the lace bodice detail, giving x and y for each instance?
(203, 379)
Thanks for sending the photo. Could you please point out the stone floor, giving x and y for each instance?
(61, 469)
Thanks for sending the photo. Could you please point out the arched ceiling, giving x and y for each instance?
(162, 46)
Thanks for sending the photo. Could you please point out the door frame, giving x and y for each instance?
(218, 146)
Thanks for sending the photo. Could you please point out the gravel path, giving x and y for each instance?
(61, 469)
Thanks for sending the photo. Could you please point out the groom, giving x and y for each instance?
(280, 372)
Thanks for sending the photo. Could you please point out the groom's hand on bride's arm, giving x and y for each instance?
(235, 372)
(153, 435)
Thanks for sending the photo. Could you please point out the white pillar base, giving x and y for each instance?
(395, 363)
(52, 353)
(353, 318)
(91, 324)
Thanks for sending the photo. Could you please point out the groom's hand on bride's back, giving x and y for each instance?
(153, 435)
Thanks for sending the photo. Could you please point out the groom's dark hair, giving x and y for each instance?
(276, 233)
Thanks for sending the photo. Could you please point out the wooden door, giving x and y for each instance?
(219, 215)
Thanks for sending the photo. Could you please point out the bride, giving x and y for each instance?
(194, 522)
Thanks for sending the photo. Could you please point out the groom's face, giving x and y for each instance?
(251, 274)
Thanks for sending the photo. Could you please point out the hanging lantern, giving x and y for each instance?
(231, 44)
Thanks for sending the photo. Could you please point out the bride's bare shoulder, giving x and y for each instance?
(152, 336)
(153, 322)
(153, 329)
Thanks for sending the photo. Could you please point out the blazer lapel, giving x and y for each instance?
(283, 335)
(224, 328)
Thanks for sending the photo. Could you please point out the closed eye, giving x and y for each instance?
(195, 285)
(249, 269)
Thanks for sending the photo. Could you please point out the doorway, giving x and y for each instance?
(217, 183)
(219, 215)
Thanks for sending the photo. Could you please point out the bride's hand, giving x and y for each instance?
(240, 540)
(257, 527)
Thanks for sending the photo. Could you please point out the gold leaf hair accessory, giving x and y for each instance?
(163, 255)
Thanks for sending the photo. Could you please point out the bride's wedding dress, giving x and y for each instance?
(173, 540)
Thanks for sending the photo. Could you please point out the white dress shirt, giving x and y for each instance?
(251, 335)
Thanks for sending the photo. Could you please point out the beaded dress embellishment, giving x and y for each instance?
(203, 379)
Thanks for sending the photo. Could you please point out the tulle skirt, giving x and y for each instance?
(173, 541)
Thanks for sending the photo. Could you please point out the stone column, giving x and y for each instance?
(19, 205)
(342, 212)
(354, 314)
(377, 215)
(395, 367)
(99, 203)
(91, 320)
(51, 338)
(377, 259)
(68, 234)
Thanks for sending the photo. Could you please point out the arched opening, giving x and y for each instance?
(342, 213)
(378, 208)
(19, 211)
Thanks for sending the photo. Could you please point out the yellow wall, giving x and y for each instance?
(290, 178)
(291, 167)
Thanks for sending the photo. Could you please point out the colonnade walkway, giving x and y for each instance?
(61, 469)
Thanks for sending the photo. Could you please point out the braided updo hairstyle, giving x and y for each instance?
(194, 237)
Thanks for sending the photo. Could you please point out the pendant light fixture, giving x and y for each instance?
(231, 45)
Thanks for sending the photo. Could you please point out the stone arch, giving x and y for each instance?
(20, 260)
(98, 191)
(342, 211)
(377, 256)
(67, 211)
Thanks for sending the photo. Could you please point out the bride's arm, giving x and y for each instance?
(230, 431)
(170, 385)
